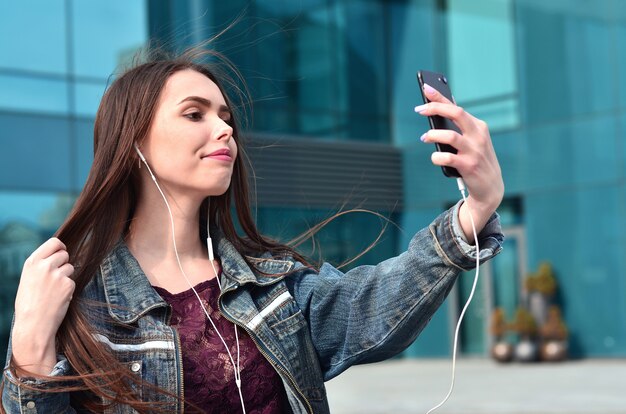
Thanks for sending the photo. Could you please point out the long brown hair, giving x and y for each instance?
(107, 202)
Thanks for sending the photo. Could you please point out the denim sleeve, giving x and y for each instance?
(19, 397)
(372, 313)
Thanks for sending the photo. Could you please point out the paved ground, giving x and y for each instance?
(482, 387)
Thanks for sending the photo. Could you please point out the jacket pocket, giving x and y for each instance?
(292, 331)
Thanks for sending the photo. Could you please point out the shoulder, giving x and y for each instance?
(267, 265)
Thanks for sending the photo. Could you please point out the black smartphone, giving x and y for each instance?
(440, 83)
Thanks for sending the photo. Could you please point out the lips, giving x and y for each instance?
(221, 154)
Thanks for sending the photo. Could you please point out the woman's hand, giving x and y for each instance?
(475, 160)
(42, 300)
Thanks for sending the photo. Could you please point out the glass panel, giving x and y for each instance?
(413, 46)
(582, 234)
(84, 151)
(472, 334)
(327, 66)
(500, 278)
(88, 96)
(506, 279)
(361, 56)
(106, 35)
(482, 60)
(33, 94)
(339, 241)
(592, 85)
(317, 124)
(501, 113)
(26, 221)
(568, 58)
(33, 36)
(299, 76)
(620, 33)
(35, 152)
(511, 212)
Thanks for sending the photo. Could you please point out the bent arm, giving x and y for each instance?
(33, 395)
(371, 313)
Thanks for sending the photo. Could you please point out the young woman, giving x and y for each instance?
(131, 309)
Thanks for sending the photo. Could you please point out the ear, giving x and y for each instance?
(139, 152)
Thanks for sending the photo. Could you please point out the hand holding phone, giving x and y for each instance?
(471, 150)
(440, 83)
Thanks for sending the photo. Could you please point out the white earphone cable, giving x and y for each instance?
(236, 367)
(209, 244)
(462, 189)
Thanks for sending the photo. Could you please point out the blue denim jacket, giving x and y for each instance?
(310, 326)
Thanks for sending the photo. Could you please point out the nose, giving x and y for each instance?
(222, 131)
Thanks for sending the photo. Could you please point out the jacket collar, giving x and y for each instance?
(128, 291)
(130, 295)
(265, 270)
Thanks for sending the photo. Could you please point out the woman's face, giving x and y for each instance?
(190, 145)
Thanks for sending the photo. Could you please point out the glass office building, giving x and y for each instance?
(332, 86)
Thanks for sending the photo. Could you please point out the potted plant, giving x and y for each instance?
(554, 337)
(525, 326)
(540, 287)
(501, 350)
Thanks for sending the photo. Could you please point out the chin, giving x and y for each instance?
(216, 192)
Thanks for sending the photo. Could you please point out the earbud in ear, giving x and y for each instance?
(139, 153)
(145, 162)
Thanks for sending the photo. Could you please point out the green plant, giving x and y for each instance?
(543, 281)
(554, 328)
(498, 327)
(524, 323)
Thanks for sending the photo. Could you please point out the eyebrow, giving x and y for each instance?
(205, 102)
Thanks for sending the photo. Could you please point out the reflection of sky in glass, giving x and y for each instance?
(33, 94)
(88, 96)
(25, 207)
(32, 35)
(106, 33)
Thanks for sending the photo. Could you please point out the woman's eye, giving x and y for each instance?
(194, 116)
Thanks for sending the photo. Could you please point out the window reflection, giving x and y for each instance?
(340, 241)
(482, 60)
(88, 96)
(33, 36)
(327, 73)
(296, 83)
(362, 66)
(33, 94)
(106, 34)
(26, 221)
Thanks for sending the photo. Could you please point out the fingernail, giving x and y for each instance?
(429, 89)
(420, 108)
(423, 137)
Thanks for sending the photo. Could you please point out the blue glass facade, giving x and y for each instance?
(544, 75)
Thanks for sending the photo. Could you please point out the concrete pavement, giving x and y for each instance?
(482, 387)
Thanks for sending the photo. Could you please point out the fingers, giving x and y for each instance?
(455, 113)
(475, 158)
(433, 95)
(44, 292)
(47, 249)
(440, 105)
(57, 259)
(51, 259)
(67, 270)
(472, 151)
(445, 136)
(467, 166)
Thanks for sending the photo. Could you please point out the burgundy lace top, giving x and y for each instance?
(208, 373)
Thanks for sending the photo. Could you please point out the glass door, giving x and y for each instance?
(499, 285)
